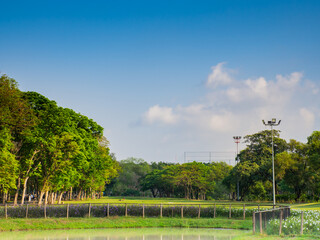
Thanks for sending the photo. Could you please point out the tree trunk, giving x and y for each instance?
(52, 197)
(49, 201)
(4, 198)
(41, 197)
(70, 196)
(55, 197)
(24, 190)
(79, 195)
(93, 195)
(15, 201)
(46, 198)
(60, 197)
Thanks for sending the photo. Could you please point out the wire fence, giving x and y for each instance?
(236, 211)
(261, 219)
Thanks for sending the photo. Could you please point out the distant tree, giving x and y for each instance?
(128, 181)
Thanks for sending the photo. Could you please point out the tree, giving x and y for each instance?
(255, 166)
(128, 181)
(8, 163)
(16, 119)
(297, 175)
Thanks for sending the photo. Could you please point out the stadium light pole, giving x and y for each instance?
(272, 123)
(237, 141)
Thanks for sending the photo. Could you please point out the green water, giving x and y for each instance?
(127, 234)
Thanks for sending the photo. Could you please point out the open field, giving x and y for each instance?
(119, 222)
(145, 200)
(142, 200)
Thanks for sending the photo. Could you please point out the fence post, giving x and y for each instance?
(27, 211)
(254, 222)
(301, 228)
(45, 210)
(214, 211)
(126, 209)
(89, 209)
(68, 210)
(260, 222)
(143, 210)
(280, 225)
(6, 210)
(258, 207)
(230, 211)
(199, 210)
(244, 212)
(181, 211)
(161, 210)
(108, 210)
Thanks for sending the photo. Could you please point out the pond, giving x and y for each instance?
(127, 234)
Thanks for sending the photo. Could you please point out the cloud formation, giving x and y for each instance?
(232, 105)
(157, 114)
(219, 76)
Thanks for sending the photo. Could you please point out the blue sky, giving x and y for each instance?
(165, 77)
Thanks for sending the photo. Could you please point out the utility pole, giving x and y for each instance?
(237, 141)
(272, 123)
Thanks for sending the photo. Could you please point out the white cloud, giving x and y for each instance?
(160, 114)
(238, 106)
(307, 116)
(289, 81)
(258, 88)
(219, 76)
(222, 122)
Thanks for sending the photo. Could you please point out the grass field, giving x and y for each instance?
(119, 222)
(171, 201)
(142, 200)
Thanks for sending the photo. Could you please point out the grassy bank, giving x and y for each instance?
(274, 237)
(119, 222)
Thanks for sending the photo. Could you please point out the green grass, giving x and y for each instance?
(145, 200)
(120, 222)
(264, 237)
(306, 206)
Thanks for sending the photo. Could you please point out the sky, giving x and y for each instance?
(168, 77)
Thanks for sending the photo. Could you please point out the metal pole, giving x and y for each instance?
(273, 178)
(238, 184)
(237, 141)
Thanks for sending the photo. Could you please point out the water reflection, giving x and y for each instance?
(126, 234)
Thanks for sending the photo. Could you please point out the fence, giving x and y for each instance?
(236, 211)
(261, 219)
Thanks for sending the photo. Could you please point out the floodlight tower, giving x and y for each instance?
(272, 123)
(237, 141)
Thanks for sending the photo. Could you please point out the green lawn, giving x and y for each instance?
(142, 200)
(173, 201)
(17, 224)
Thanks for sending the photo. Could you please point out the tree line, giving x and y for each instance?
(297, 173)
(49, 151)
(192, 180)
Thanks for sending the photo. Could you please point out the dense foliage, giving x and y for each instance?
(189, 180)
(296, 168)
(49, 150)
